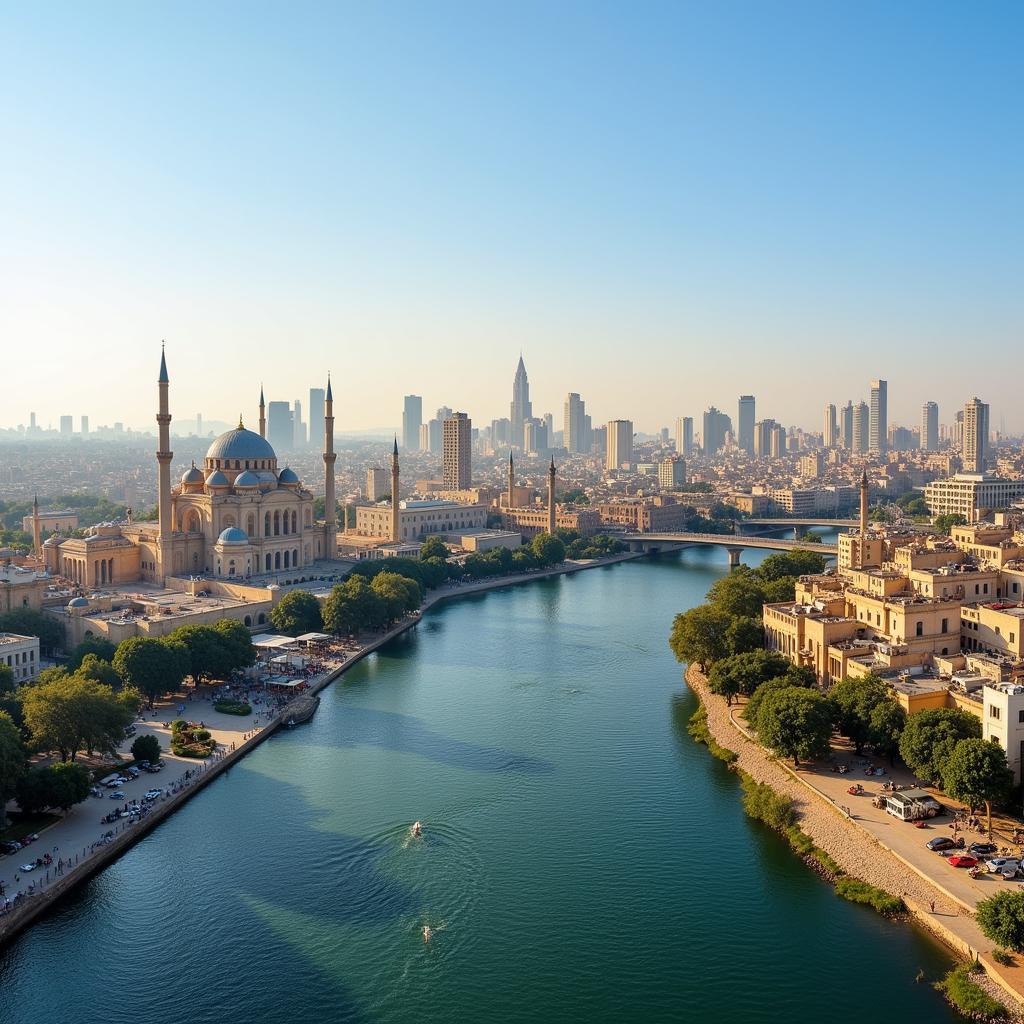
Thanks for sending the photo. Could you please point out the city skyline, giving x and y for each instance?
(335, 193)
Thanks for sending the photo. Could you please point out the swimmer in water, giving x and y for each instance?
(427, 932)
(417, 828)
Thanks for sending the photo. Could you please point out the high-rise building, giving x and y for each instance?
(746, 423)
(298, 427)
(199, 424)
(975, 435)
(412, 418)
(574, 425)
(830, 428)
(846, 426)
(716, 426)
(672, 472)
(878, 438)
(684, 435)
(376, 483)
(620, 444)
(764, 438)
(929, 427)
(316, 416)
(535, 435)
(279, 426)
(85, 426)
(457, 472)
(521, 409)
(861, 432)
(549, 426)
(66, 426)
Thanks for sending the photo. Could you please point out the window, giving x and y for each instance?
(945, 625)
(993, 712)
(919, 629)
(1020, 716)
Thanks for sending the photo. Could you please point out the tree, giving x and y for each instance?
(29, 622)
(1001, 918)
(547, 549)
(791, 563)
(237, 640)
(744, 634)
(434, 547)
(888, 720)
(12, 762)
(6, 679)
(296, 613)
(699, 636)
(855, 700)
(100, 671)
(795, 722)
(58, 785)
(976, 772)
(744, 673)
(779, 590)
(353, 606)
(399, 594)
(738, 594)
(99, 646)
(930, 736)
(945, 523)
(146, 664)
(146, 748)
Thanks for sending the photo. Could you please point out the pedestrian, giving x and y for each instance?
(933, 906)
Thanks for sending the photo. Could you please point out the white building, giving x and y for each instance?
(971, 495)
(1003, 721)
(419, 519)
(21, 655)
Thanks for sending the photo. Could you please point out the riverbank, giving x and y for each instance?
(93, 857)
(860, 854)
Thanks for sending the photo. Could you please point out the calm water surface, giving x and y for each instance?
(582, 859)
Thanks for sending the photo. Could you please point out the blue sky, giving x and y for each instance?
(662, 205)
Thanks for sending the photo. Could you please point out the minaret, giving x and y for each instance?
(511, 479)
(263, 414)
(864, 504)
(37, 531)
(330, 506)
(163, 458)
(394, 494)
(551, 497)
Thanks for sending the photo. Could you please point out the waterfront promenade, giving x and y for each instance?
(84, 845)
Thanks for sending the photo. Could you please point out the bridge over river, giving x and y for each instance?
(734, 543)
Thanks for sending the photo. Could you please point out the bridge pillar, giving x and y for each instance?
(734, 557)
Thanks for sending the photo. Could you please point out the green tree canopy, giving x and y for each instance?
(6, 679)
(791, 563)
(789, 679)
(976, 772)
(888, 720)
(945, 523)
(12, 761)
(399, 594)
(99, 646)
(28, 622)
(930, 736)
(744, 673)
(146, 748)
(855, 701)
(353, 605)
(237, 640)
(741, 593)
(547, 549)
(434, 547)
(699, 636)
(796, 722)
(744, 634)
(92, 667)
(1001, 918)
(296, 613)
(148, 665)
(58, 785)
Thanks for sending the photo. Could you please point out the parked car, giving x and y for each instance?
(152, 794)
(114, 783)
(30, 866)
(962, 860)
(999, 865)
(10, 846)
(117, 795)
(940, 843)
(982, 850)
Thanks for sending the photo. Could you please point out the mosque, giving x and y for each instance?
(238, 516)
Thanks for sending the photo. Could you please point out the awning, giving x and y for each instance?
(269, 641)
(312, 637)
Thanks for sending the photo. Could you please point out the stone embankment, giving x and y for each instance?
(858, 853)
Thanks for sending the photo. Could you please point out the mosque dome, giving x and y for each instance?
(287, 476)
(192, 476)
(217, 479)
(240, 444)
(78, 602)
(233, 535)
(247, 478)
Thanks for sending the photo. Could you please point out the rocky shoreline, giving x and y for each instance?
(852, 848)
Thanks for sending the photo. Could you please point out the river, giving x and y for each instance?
(582, 858)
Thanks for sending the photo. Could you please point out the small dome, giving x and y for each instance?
(78, 602)
(287, 476)
(240, 444)
(217, 479)
(247, 478)
(233, 535)
(192, 476)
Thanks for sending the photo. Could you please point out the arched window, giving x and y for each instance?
(261, 619)
(252, 525)
(268, 562)
(277, 559)
(294, 522)
(277, 523)
(266, 526)
(286, 559)
(295, 558)
(248, 620)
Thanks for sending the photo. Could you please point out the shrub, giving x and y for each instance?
(968, 996)
(146, 748)
(698, 729)
(856, 891)
(1001, 918)
(196, 750)
(232, 707)
(1002, 957)
(763, 803)
(178, 725)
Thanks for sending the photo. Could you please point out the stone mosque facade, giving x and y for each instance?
(240, 515)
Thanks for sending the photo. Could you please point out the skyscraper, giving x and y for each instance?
(85, 426)
(620, 443)
(298, 427)
(846, 426)
(861, 428)
(746, 423)
(457, 472)
(522, 409)
(830, 428)
(684, 435)
(716, 426)
(279, 426)
(929, 427)
(316, 416)
(67, 427)
(975, 435)
(574, 425)
(878, 439)
(412, 418)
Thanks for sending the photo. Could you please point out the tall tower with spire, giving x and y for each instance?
(511, 480)
(164, 456)
(551, 497)
(395, 512)
(522, 408)
(330, 503)
(263, 414)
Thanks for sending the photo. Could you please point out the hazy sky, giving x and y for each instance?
(661, 205)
